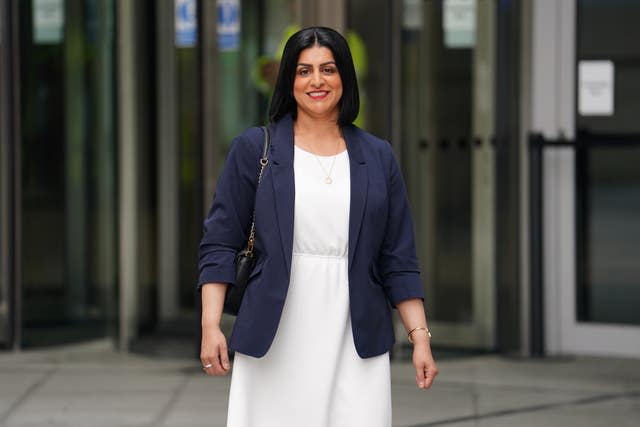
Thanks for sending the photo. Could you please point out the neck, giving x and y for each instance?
(316, 128)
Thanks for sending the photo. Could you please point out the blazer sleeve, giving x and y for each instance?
(398, 263)
(226, 226)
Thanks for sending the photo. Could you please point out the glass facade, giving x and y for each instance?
(608, 177)
(146, 165)
(68, 170)
(447, 122)
(370, 46)
(437, 131)
(189, 169)
(429, 83)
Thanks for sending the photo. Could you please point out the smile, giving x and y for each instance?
(319, 94)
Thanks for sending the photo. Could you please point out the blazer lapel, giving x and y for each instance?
(281, 162)
(359, 187)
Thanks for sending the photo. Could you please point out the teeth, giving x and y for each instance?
(317, 94)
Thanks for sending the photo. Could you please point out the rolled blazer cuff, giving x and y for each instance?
(217, 274)
(404, 286)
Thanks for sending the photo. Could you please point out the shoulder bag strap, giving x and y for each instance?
(264, 160)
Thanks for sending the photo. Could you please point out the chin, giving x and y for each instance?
(324, 112)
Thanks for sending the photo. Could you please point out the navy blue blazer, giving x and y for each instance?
(383, 267)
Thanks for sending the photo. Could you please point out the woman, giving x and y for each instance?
(335, 250)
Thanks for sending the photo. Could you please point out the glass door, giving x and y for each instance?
(68, 170)
(607, 291)
(448, 158)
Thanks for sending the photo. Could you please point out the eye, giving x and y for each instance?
(329, 70)
(302, 72)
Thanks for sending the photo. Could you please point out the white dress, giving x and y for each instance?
(312, 376)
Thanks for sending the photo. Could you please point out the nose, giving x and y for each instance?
(316, 79)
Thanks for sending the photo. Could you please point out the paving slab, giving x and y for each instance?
(618, 412)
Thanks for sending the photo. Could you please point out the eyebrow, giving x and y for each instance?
(311, 65)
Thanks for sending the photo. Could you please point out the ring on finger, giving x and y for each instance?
(208, 365)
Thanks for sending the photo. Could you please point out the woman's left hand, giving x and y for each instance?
(415, 321)
(426, 369)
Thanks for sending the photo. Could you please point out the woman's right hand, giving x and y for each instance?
(213, 351)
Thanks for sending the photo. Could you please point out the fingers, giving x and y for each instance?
(207, 367)
(429, 376)
(425, 374)
(214, 354)
(216, 362)
(224, 357)
(420, 376)
(212, 366)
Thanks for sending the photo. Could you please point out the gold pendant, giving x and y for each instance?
(328, 180)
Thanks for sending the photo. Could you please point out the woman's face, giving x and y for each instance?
(317, 87)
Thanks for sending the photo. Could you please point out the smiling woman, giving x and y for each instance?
(313, 302)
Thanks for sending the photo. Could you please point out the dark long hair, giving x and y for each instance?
(283, 101)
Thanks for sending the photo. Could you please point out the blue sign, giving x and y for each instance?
(228, 25)
(186, 23)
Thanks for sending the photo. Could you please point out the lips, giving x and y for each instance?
(318, 94)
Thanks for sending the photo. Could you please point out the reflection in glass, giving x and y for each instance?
(368, 40)
(608, 177)
(436, 157)
(610, 287)
(189, 167)
(68, 176)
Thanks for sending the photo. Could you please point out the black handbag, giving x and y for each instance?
(245, 259)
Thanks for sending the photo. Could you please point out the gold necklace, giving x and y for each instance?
(327, 178)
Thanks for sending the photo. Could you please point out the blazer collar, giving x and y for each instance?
(282, 141)
(353, 142)
(281, 165)
(359, 186)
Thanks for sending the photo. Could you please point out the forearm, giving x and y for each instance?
(413, 316)
(212, 295)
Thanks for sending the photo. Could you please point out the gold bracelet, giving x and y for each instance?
(415, 329)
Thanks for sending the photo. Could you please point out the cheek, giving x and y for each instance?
(296, 85)
(338, 86)
(298, 89)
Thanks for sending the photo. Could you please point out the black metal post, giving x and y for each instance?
(536, 162)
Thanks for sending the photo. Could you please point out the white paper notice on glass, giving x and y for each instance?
(48, 21)
(595, 88)
(459, 23)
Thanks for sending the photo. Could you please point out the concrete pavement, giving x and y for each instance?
(91, 385)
